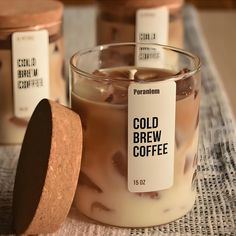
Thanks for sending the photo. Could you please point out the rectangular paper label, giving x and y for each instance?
(30, 70)
(151, 135)
(152, 26)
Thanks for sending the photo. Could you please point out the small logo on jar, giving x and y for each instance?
(146, 91)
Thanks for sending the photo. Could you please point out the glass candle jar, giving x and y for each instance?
(140, 133)
(31, 62)
(152, 21)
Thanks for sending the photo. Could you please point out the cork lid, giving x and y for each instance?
(48, 169)
(27, 13)
(144, 3)
(173, 5)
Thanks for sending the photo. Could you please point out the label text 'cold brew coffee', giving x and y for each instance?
(151, 131)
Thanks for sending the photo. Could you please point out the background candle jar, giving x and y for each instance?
(153, 21)
(140, 133)
(31, 62)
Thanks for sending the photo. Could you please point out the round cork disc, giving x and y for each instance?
(26, 13)
(48, 169)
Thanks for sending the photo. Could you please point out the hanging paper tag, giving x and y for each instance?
(151, 135)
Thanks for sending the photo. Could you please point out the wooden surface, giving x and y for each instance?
(219, 28)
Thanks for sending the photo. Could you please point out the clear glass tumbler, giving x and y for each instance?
(140, 119)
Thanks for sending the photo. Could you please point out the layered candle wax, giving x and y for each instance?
(140, 136)
(106, 190)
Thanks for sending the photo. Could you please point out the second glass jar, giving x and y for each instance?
(117, 21)
(31, 62)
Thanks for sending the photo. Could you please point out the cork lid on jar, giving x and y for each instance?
(48, 169)
(29, 13)
(173, 5)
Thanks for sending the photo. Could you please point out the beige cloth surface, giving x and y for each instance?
(214, 212)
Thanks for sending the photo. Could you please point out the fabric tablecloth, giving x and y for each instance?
(214, 212)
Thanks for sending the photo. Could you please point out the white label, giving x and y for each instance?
(152, 26)
(30, 70)
(151, 135)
